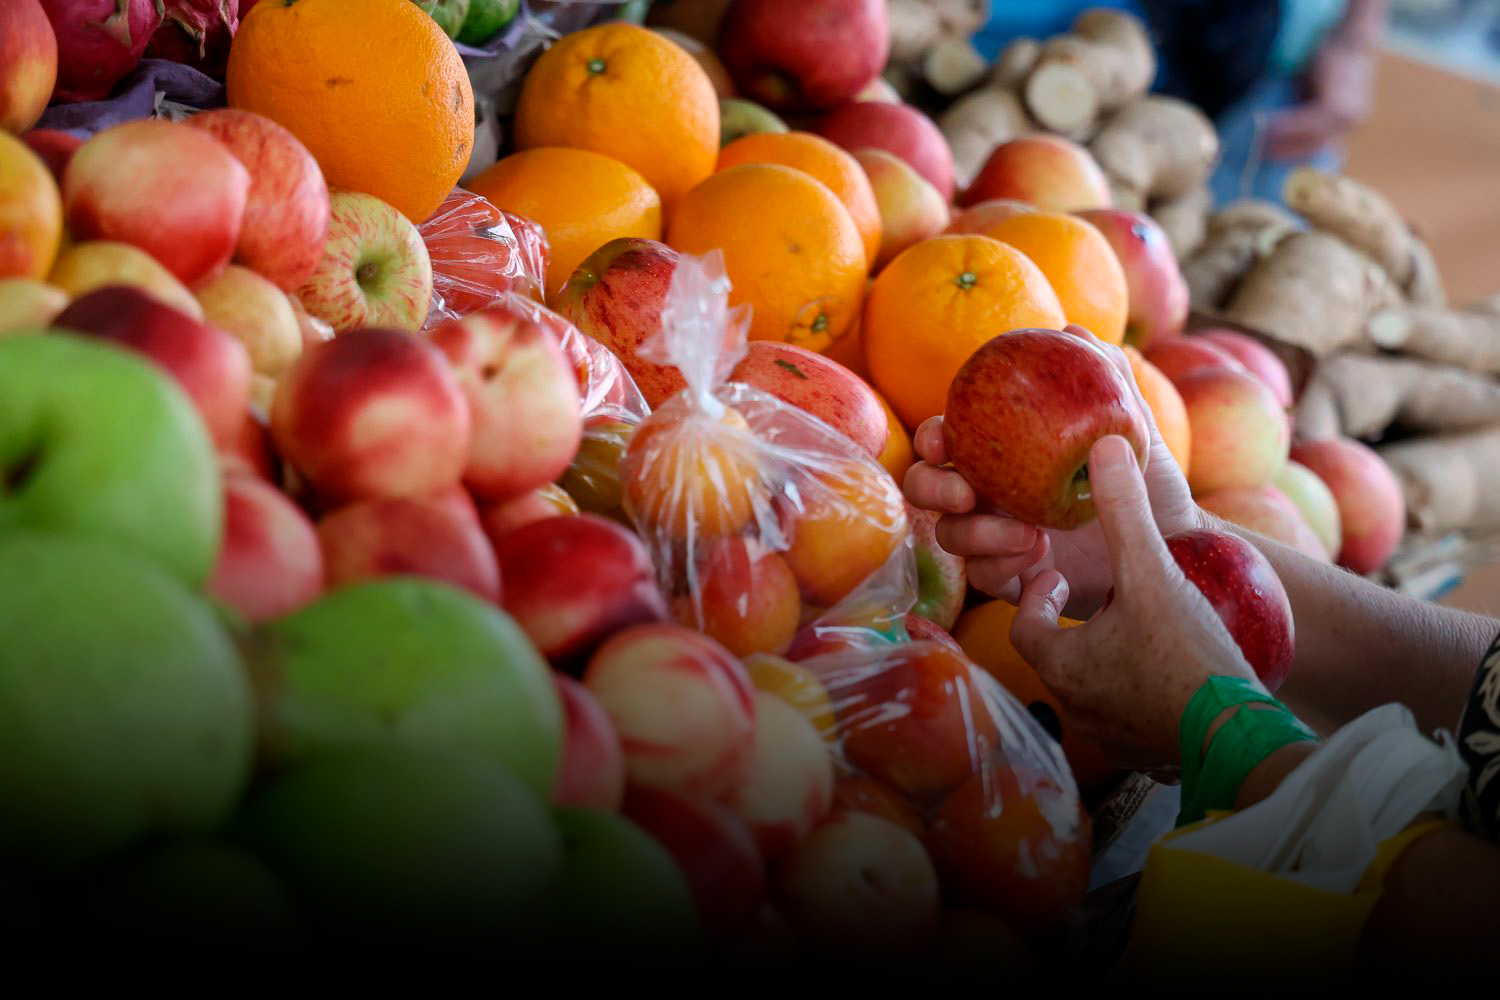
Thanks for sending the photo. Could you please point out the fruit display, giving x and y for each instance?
(523, 562)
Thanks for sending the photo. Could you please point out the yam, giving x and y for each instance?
(1461, 338)
(1105, 61)
(1451, 482)
(1311, 291)
(1370, 393)
(1185, 220)
(1424, 286)
(1355, 213)
(953, 66)
(1238, 235)
(1015, 63)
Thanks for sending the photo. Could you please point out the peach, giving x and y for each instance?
(1372, 508)
(789, 786)
(259, 314)
(31, 218)
(28, 64)
(900, 130)
(86, 267)
(1046, 170)
(570, 582)
(175, 192)
(714, 849)
(797, 686)
(269, 562)
(615, 297)
(1158, 293)
(500, 519)
(210, 365)
(592, 775)
(1240, 436)
(978, 218)
(409, 536)
(850, 521)
(942, 736)
(54, 146)
(855, 794)
(1314, 500)
(817, 385)
(26, 304)
(860, 885)
(1267, 510)
(942, 578)
(683, 707)
(526, 417)
(1014, 843)
(286, 211)
(743, 596)
(372, 414)
(1258, 359)
(911, 209)
(1178, 357)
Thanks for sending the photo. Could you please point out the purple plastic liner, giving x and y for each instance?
(502, 43)
(135, 97)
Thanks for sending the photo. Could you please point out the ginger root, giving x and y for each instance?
(1159, 146)
(1451, 482)
(1015, 63)
(953, 66)
(1237, 236)
(914, 28)
(1185, 220)
(1424, 287)
(1364, 394)
(978, 122)
(1355, 213)
(1462, 338)
(1105, 61)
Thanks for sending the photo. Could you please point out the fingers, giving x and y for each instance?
(1136, 550)
(928, 442)
(1003, 576)
(942, 490)
(979, 535)
(1035, 630)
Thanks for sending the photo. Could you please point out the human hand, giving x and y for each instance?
(1003, 554)
(1126, 675)
(1340, 88)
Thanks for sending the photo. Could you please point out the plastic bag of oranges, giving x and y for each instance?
(480, 253)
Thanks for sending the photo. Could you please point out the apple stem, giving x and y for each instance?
(366, 273)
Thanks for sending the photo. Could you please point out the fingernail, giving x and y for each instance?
(1112, 453)
(951, 494)
(1057, 594)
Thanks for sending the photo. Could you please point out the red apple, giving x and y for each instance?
(942, 580)
(526, 418)
(502, 518)
(55, 147)
(1158, 294)
(250, 452)
(804, 55)
(683, 706)
(743, 596)
(860, 885)
(479, 253)
(372, 414)
(28, 64)
(911, 209)
(1240, 434)
(98, 42)
(818, 385)
(208, 363)
(714, 849)
(855, 794)
(409, 536)
(593, 764)
(921, 629)
(980, 217)
(1178, 357)
(269, 563)
(1258, 359)
(1372, 508)
(615, 297)
(571, 582)
(1267, 510)
(1315, 501)
(286, 213)
(373, 271)
(1247, 595)
(1023, 414)
(173, 191)
(898, 129)
(789, 788)
(1048, 171)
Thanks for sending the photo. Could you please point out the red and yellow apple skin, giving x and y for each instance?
(269, 561)
(592, 773)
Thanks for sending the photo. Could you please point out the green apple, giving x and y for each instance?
(486, 18)
(97, 441)
(123, 707)
(620, 890)
(449, 14)
(407, 661)
(739, 118)
(405, 840)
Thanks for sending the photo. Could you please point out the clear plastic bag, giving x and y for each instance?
(480, 253)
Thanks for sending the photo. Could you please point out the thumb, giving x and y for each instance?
(1137, 552)
(1035, 625)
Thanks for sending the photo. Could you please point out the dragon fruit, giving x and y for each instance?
(98, 42)
(197, 32)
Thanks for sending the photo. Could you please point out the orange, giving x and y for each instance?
(31, 213)
(628, 93)
(849, 350)
(898, 455)
(690, 476)
(936, 304)
(790, 250)
(1166, 406)
(379, 95)
(984, 634)
(581, 199)
(1079, 263)
(823, 161)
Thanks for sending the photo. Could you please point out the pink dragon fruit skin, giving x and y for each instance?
(98, 42)
(197, 32)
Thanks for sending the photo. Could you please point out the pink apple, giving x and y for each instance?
(28, 64)
(860, 885)
(173, 191)
(615, 297)
(1048, 171)
(1239, 432)
(911, 209)
(286, 213)
(257, 313)
(804, 55)
(1315, 501)
(374, 269)
(500, 519)
(526, 418)
(683, 706)
(1177, 357)
(942, 582)
(208, 363)
(898, 129)
(1258, 359)
(372, 414)
(571, 582)
(1267, 510)
(1372, 508)
(593, 764)
(1158, 294)
(409, 536)
(269, 564)
(817, 385)
(789, 788)
(55, 147)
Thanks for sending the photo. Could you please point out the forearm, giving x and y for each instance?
(1360, 645)
(1363, 23)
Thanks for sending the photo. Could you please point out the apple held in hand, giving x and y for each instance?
(1247, 595)
(1023, 414)
(269, 563)
(374, 270)
(804, 55)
